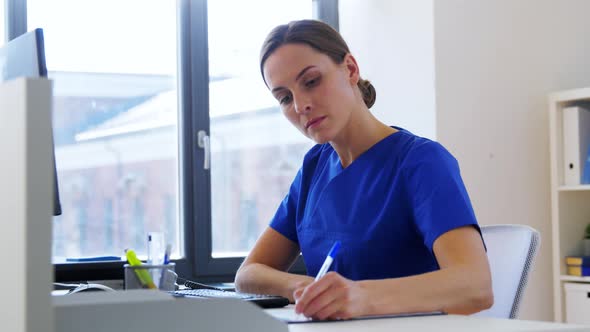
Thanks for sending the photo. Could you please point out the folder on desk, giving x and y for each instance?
(576, 142)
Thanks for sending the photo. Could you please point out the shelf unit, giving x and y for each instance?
(570, 205)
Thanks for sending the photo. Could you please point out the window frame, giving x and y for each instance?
(194, 181)
(15, 18)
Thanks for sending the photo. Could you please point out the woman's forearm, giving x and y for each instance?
(455, 290)
(262, 279)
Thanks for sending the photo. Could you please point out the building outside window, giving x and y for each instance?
(255, 151)
(115, 126)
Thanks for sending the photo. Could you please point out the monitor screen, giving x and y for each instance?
(24, 56)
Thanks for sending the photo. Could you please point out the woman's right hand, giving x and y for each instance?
(331, 297)
(299, 287)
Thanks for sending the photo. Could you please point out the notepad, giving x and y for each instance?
(289, 316)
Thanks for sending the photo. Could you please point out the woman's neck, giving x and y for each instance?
(362, 132)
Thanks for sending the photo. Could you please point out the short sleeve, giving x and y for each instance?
(436, 192)
(284, 220)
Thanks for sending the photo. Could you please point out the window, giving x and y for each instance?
(255, 152)
(115, 122)
(126, 133)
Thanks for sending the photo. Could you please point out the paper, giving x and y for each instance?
(289, 316)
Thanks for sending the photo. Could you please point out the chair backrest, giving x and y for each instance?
(511, 250)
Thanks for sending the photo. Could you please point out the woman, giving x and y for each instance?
(396, 202)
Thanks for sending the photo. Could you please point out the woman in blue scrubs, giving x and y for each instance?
(395, 201)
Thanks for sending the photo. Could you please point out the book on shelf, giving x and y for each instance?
(580, 271)
(586, 175)
(576, 141)
(577, 260)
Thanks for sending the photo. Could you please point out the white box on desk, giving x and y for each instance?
(25, 201)
(142, 310)
(577, 303)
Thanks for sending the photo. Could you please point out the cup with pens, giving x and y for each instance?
(157, 273)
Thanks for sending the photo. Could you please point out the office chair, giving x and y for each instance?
(511, 250)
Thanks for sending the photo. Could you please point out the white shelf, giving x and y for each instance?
(582, 187)
(574, 278)
(570, 208)
(570, 95)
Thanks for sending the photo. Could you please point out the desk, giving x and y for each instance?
(444, 323)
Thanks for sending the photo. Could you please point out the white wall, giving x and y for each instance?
(494, 63)
(393, 43)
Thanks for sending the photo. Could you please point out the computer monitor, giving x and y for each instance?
(24, 56)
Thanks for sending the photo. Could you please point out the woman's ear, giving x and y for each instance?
(352, 68)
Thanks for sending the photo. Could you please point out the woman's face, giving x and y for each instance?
(315, 94)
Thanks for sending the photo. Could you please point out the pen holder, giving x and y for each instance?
(147, 276)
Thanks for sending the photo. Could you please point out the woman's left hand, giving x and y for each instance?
(331, 297)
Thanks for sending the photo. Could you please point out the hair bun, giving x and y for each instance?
(368, 92)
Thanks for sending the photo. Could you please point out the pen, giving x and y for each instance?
(142, 274)
(324, 269)
(93, 259)
(166, 262)
(328, 261)
(167, 254)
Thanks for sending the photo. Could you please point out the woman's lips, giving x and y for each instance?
(314, 122)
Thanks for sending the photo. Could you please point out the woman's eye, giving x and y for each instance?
(312, 82)
(285, 100)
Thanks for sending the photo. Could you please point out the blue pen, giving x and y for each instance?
(166, 262)
(167, 254)
(93, 259)
(328, 261)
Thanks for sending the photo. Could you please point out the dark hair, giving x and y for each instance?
(319, 36)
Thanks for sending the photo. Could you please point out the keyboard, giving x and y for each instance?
(263, 301)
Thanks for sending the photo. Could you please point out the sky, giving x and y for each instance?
(107, 36)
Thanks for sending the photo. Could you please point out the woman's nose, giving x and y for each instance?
(302, 106)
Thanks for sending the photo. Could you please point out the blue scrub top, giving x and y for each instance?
(386, 208)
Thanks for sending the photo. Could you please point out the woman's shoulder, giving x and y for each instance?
(421, 149)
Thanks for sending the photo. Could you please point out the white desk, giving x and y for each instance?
(444, 323)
